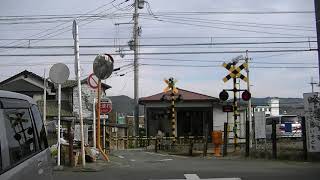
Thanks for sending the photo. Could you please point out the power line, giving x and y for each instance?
(209, 66)
(231, 12)
(166, 53)
(239, 23)
(167, 37)
(168, 13)
(44, 31)
(164, 45)
(216, 27)
(53, 33)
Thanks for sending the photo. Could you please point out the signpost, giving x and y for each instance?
(102, 68)
(59, 73)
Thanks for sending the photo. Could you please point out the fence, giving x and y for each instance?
(278, 146)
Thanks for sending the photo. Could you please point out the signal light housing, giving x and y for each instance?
(223, 96)
(246, 95)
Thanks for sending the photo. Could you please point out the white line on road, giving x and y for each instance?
(159, 154)
(121, 157)
(166, 160)
(196, 177)
(132, 160)
(156, 154)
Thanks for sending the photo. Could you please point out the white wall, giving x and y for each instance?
(88, 94)
(274, 104)
(219, 118)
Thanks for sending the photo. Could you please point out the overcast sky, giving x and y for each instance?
(197, 28)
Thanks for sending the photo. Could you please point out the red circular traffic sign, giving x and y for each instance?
(105, 107)
(93, 81)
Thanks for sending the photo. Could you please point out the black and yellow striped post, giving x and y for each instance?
(173, 117)
(173, 91)
(235, 113)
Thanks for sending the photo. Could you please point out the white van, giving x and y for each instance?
(24, 152)
(288, 126)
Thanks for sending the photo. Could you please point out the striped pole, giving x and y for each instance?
(173, 117)
(235, 111)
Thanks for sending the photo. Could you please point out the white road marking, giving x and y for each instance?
(121, 157)
(165, 160)
(191, 176)
(196, 177)
(132, 160)
(156, 154)
(159, 154)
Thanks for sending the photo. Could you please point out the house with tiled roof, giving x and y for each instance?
(195, 113)
(31, 84)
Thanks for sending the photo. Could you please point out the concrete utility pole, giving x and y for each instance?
(136, 69)
(78, 74)
(317, 13)
(249, 102)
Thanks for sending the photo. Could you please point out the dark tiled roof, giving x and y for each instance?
(24, 73)
(186, 96)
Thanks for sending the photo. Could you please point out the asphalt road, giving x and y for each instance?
(138, 164)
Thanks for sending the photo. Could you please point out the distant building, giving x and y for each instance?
(272, 109)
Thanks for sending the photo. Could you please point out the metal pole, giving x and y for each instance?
(78, 74)
(225, 139)
(104, 132)
(99, 123)
(317, 14)
(304, 138)
(94, 123)
(274, 140)
(59, 125)
(249, 102)
(136, 69)
(44, 97)
(247, 138)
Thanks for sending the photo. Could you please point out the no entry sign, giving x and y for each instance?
(93, 81)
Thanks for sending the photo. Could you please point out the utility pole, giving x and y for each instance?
(78, 74)
(248, 89)
(317, 13)
(136, 69)
(312, 84)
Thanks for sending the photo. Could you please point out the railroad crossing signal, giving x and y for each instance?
(235, 71)
(171, 85)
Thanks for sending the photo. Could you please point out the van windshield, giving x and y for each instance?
(289, 119)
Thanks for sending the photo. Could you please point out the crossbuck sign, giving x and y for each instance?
(235, 71)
